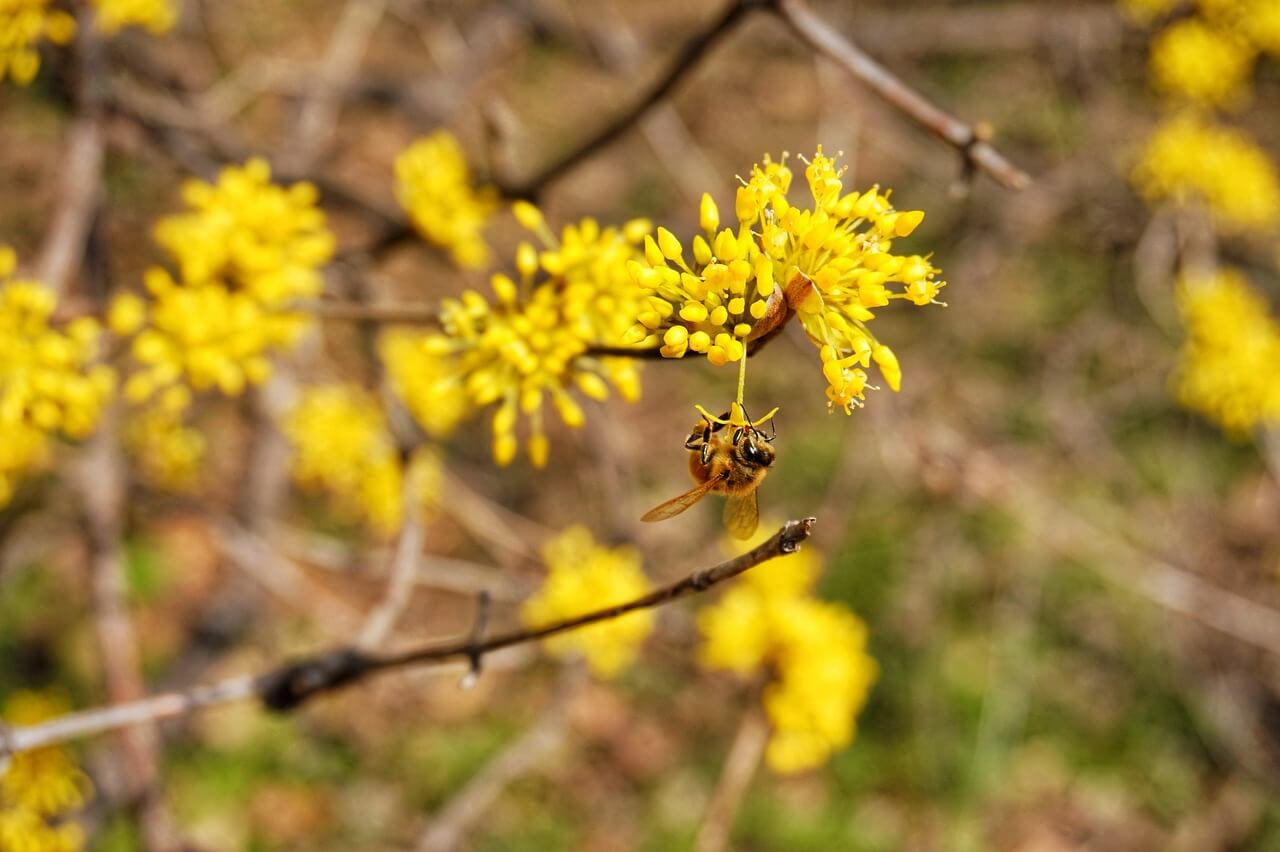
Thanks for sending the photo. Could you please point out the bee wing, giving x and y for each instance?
(742, 514)
(676, 505)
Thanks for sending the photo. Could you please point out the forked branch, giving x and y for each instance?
(292, 684)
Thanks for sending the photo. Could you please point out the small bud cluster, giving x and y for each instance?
(41, 790)
(344, 449)
(435, 187)
(50, 383)
(23, 25)
(1229, 367)
(1191, 159)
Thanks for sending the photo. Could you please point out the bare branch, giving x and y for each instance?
(318, 116)
(404, 570)
(691, 53)
(971, 143)
(739, 768)
(64, 247)
(452, 823)
(392, 313)
(290, 685)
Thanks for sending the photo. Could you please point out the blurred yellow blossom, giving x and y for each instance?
(435, 187)
(1145, 11)
(156, 16)
(1258, 21)
(244, 249)
(205, 336)
(1229, 368)
(50, 384)
(518, 353)
(587, 264)
(430, 390)
(1203, 64)
(343, 448)
(1189, 158)
(830, 263)
(814, 651)
(244, 231)
(23, 25)
(168, 452)
(581, 577)
(40, 787)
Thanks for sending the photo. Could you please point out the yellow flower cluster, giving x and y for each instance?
(156, 16)
(49, 383)
(830, 262)
(244, 250)
(39, 787)
(435, 187)
(1191, 159)
(23, 24)
(1203, 64)
(815, 652)
(269, 241)
(587, 265)
(430, 390)
(344, 449)
(532, 344)
(581, 577)
(168, 452)
(1205, 61)
(1145, 11)
(1256, 21)
(1229, 367)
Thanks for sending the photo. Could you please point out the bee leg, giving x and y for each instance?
(721, 422)
(706, 445)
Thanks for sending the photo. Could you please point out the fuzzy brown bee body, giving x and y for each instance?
(729, 460)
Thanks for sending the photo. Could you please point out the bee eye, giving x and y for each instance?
(751, 454)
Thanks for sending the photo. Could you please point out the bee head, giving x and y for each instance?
(753, 448)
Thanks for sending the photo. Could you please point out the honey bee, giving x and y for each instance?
(728, 455)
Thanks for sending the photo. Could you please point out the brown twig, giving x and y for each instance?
(978, 153)
(739, 768)
(248, 549)
(290, 685)
(691, 53)
(647, 353)
(404, 570)
(64, 247)
(406, 313)
(318, 115)
(458, 816)
(102, 483)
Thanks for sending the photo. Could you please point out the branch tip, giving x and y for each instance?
(289, 686)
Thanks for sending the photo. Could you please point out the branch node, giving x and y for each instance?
(287, 687)
(794, 533)
(474, 653)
